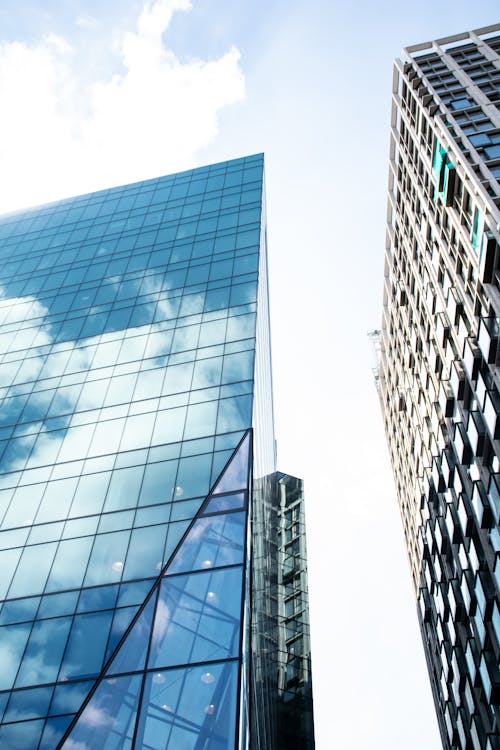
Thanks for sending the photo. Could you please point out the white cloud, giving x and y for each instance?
(58, 44)
(162, 623)
(156, 16)
(72, 745)
(60, 135)
(87, 22)
(96, 717)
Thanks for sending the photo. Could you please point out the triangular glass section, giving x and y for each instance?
(108, 719)
(197, 618)
(111, 691)
(121, 621)
(220, 461)
(223, 503)
(210, 542)
(192, 708)
(235, 476)
(54, 730)
(131, 656)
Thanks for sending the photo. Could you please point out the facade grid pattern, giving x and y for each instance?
(129, 323)
(439, 375)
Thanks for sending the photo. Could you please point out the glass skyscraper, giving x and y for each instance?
(439, 379)
(146, 549)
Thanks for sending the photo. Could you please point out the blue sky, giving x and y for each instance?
(95, 94)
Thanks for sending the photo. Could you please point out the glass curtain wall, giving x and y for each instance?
(127, 342)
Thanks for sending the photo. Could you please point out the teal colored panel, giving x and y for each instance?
(439, 157)
(241, 327)
(213, 332)
(84, 526)
(442, 169)
(475, 229)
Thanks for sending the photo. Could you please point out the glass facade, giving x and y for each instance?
(295, 708)
(130, 322)
(281, 664)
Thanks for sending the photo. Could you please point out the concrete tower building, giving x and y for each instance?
(439, 373)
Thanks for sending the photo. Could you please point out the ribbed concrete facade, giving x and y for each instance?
(439, 373)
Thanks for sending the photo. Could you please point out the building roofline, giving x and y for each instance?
(450, 39)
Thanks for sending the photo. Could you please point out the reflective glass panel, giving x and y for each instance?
(111, 713)
(235, 477)
(197, 618)
(189, 708)
(212, 542)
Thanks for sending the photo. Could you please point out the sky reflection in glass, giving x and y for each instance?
(127, 334)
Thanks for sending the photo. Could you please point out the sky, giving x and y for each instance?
(98, 94)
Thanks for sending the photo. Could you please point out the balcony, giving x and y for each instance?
(488, 338)
(471, 359)
(462, 446)
(481, 506)
(494, 497)
(475, 432)
(491, 413)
